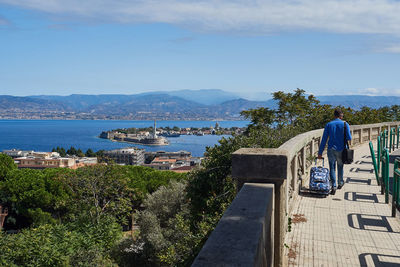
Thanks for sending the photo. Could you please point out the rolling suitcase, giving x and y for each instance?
(320, 182)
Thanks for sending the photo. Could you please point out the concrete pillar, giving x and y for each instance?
(267, 165)
(370, 134)
(312, 148)
(304, 158)
(294, 175)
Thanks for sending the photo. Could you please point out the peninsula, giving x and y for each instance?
(154, 136)
(142, 137)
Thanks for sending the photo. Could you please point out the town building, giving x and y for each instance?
(86, 161)
(178, 161)
(42, 162)
(16, 153)
(172, 155)
(126, 156)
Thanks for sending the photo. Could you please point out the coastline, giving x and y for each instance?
(44, 135)
(134, 143)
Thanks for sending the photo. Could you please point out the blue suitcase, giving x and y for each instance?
(320, 181)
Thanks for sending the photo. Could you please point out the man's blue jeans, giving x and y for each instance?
(334, 157)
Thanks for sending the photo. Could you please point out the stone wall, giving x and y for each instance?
(244, 235)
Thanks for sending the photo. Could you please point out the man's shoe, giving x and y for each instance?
(340, 185)
(333, 191)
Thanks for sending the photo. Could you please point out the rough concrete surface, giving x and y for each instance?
(241, 237)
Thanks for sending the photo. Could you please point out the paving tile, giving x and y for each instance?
(351, 228)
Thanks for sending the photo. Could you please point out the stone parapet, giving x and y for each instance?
(244, 235)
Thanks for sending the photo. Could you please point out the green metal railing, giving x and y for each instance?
(385, 175)
(391, 139)
(396, 188)
(387, 141)
(371, 148)
(394, 138)
(398, 136)
(384, 136)
(378, 154)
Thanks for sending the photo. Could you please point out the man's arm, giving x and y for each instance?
(323, 142)
(348, 133)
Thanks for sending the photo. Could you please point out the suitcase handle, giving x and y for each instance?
(323, 161)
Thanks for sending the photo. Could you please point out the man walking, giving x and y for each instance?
(334, 130)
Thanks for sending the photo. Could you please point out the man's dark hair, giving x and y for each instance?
(338, 112)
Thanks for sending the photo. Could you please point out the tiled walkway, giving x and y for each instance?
(354, 227)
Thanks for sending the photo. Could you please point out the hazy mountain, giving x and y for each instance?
(26, 104)
(234, 107)
(154, 103)
(183, 104)
(80, 102)
(359, 101)
(205, 96)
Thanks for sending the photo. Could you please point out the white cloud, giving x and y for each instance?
(254, 16)
(380, 92)
(394, 49)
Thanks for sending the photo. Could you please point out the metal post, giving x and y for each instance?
(394, 139)
(371, 148)
(386, 178)
(397, 173)
(398, 135)
(390, 143)
(384, 138)
(395, 192)
(378, 153)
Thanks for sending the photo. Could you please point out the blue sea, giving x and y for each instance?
(43, 135)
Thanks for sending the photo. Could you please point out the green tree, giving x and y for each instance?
(79, 153)
(33, 197)
(72, 151)
(395, 112)
(99, 190)
(261, 117)
(165, 228)
(90, 153)
(6, 165)
(62, 152)
(73, 244)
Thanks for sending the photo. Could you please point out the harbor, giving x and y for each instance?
(157, 137)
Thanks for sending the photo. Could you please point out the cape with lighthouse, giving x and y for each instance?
(142, 138)
(157, 137)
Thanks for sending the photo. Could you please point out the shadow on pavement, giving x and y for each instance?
(379, 259)
(361, 197)
(369, 222)
(358, 181)
(358, 170)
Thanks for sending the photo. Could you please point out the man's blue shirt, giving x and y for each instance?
(334, 130)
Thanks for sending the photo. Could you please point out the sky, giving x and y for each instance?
(248, 47)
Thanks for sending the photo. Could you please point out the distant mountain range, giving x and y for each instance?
(359, 101)
(174, 105)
